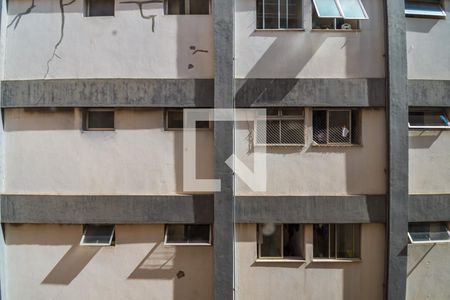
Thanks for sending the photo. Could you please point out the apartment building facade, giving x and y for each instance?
(353, 99)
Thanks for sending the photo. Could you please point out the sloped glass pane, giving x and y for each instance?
(353, 9)
(326, 9)
(98, 234)
(424, 9)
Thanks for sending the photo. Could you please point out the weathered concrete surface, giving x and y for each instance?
(429, 208)
(108, 92)
(311, 209)
(106, 209)
(429, 93)
(310, 92)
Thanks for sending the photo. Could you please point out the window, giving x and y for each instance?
(284, 127)
(278, 14)
(338, 14)
(424, 8)
(425, 233)
(99, 119)
(428, 119)
(97, 235)
(336, 241)
(336, 127)
(98, 8)
(282, 241)
(174, 120)
(177, 234)
(187, 7)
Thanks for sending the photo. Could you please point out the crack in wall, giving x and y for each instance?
(61, 37)
(141, 9)
(19, 16)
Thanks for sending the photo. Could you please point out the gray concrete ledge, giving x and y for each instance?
(107, 209)
(311, 209)
(108, 92)
(256, 92)
(429, 93)
(429, 208)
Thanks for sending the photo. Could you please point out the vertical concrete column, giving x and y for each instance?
(397, 134)
(223, 141)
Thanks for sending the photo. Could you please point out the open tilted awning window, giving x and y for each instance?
(430, 8)
(425, 233)
(97, 235)
(347, 9)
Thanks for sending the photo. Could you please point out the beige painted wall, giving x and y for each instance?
(47, 153)
(427, 46)
(46, 262)
(310, 280)
(309, 54)
(429, 159)
(319, 170)
(122, 46)
(428, 272)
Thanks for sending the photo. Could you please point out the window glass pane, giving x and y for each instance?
(98, 234)
(438, 232)
(347, 240)
(271, 14)
(428, 118)
(321, 240)
(270, 240)
(175, 7)
(199, 7)
(353, 9)
(339, 127)
(100, 8)
(100, 119)
(292, 240)
(424, 232)
(198, 233)
(326, 8)
(320, 126)
(259, 14)
(433, 9)
(175, 119)
(176, 233)
(283, 13)
(294, 13)
(356, 127)
(292, 132)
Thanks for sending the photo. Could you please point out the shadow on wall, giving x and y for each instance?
(70, 265)
(420, 25)
(422, 139)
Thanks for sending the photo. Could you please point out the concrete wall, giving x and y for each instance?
(123, 46)
(321, 170)
(309, 54)
(427, 42)
(46, 262)
(428, 271)
(428, 161)
(47, 153)
(310, 280)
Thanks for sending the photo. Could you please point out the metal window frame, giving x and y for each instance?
(328, 143)
(86, 116)
(82, 243)
(187, 243)
(279, 15)
(341, 11)
(282, 257)
(280, 117)
(443, 14)
(336, 242)
(166, 121)
(431, 241)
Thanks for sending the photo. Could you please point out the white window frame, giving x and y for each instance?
(280, 117)
(328, 143)
(341, 11)
(166, 121)
(166, 229)
(82, 243)
(279, 18)
(186, 9)
(411, 14)
(336, 258)
(432, 241)
(282, 257)
(87, 128)
(442, 127)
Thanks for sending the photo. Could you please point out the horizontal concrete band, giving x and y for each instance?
(108, 92)
(429, 208)
(311, 209)
(311, 92)
(107, 209)
(429, 93)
